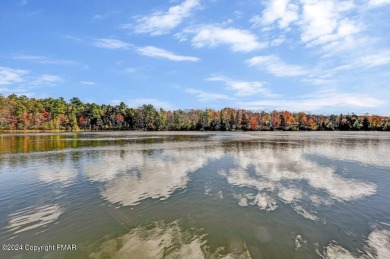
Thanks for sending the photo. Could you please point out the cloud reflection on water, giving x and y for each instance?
(56, 174)
(135, 175)
(377, 246)
(276, 174)
(360, 150)
(266, 173)
(161, 240)
(32, 218)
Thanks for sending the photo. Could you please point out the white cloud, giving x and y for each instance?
(326, 21)
(104, 15)
(18, 90)
(156, 103)
(275, 66)
(47, 80)
(244, 88)
(213, 36)
(318, 22)
(151, 51)
(43, 60)
(347, 46)
(282, 11)
(88, 83)
(9, 76)
(319, 19)
(378, 3)
(374, 60)
(18, 81)
(111, 44)
(116, 102)
(318, 102)
(203, 96)
(130, 70)
(362, 61)
(159, 23)
(73, 38)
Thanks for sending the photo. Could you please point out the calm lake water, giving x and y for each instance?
(195, 195)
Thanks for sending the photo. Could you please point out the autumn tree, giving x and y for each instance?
(254, 124)
(366, 123)
(244, 122)
(203, 122)
(21, 112)
(148, 113)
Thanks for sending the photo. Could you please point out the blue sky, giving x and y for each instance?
(323, 56)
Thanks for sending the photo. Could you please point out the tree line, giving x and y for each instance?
(23, 113)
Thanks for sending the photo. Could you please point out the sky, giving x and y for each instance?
(318, 56)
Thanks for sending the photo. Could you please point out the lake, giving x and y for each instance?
(195, 195)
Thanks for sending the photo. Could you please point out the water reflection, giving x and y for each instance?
(377, 246)
(286, 175)
(33, 218)
(366, 152)
(161, 240)
(298, 181)
(131, 176)
(57, 174)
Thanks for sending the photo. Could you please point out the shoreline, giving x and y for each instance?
(117, 130)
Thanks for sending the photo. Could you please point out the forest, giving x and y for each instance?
(18, 113)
